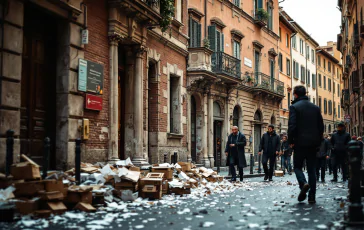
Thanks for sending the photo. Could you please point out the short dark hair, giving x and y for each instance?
(271, 126)
(300, 90)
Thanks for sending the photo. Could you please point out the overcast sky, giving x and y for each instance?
(319, 18)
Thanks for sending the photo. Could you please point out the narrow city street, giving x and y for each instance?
(255, 204)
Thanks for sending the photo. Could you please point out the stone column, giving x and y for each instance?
(205, 160)
(189, 141)
(113, 97)
(138, 106)
(210, 129)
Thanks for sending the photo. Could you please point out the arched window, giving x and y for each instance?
(329, 128)
(258, 116)
(217, 110)
(273, 120)
(236, 116)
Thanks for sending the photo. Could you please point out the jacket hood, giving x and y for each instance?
(300, 99)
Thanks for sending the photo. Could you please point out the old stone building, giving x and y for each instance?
(232, 74)
(99, 70)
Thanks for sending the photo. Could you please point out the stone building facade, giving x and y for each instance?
(143, 95)
(232, 74)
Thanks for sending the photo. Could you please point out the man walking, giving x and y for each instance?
(305, 132)
(270, 144)
(286, 156)
(339, 154)
(322, 155)
(235, 152)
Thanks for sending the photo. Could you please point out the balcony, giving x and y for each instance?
(345, 97)
(355, 81)
(261, 82)
(260, 17)
(224, 64)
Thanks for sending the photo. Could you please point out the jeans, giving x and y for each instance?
(233, 172)
(321, 165)
(300, 155)
(286, 163)
(340, 161)
(272, 160)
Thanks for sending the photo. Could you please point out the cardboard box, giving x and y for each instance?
(180, 191)
(25, 171)
(55, 195)
(54, 185)
(76, 197)
(43, 213)
(85, 207)
(278, 173)
(186, 166)
(57, 207)
(151, 192)
(28, 189)
(165, 187)
(150, 181)
(26, 206)
(167, 172)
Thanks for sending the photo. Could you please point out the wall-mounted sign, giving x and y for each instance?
(93, 102)
(90, 77)
(248, 62)
(84, 37)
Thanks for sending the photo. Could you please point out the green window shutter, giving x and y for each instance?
(222, 42)
(190, 33)
(195, 33)
(198, 35)
(260, 4)
(218, 41)
(212, 37)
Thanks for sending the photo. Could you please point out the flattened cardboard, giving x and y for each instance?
(43, 213)
(55, 195)
(25, 171)
(85, 207)
(186, 166)
(54, 185)
(76, 197)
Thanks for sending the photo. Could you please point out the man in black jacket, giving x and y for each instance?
(270, 144)
(322, 155)
(339, 154)
(305, 132)
(235, 152)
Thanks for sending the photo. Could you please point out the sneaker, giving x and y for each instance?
(266, 177)
(311, 199)
(302, 196)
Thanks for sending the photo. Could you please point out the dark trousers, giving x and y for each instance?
(329, 165)
(340, 161)
(308, 155)
(272, 161)
(321, 165)
(233, 171)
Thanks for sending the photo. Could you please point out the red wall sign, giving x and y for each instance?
(93, 102)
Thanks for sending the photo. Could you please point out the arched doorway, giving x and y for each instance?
(329, 128)
(193, 130)
(218, 119)
(257, 132)
(238, 118)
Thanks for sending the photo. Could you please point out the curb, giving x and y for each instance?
(248, 175)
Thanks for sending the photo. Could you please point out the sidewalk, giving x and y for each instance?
(224, 171)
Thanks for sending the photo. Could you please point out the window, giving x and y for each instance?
(294, 42)
(325, 106)
(308, 77)
(289, 99)
(314, 81)
(324, 63)
(319, 60)
(329, 66)
(338, 90)
(303, 71)
(174, 97)
(308, 52)
(288, 67)
(313, 56)
(301, 46)
(195, 33)
(314, 101)
(320, 80)
(320, 104)
(287, 40)
(329, 84)
(330, 107)
(236, 49)
(324, 82)
(294, 69)
(280, 62)
(270, 18)
(338, 111)
(216, 39)
(237, 3)
(334, 106)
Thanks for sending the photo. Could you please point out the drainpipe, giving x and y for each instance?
(4, 4)
(206, 19)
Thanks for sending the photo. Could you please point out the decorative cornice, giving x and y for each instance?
(218, 22)
(114, 38)
(272, 52)
(195, 12)
(237, 34)
(258, 44)
(168, 43)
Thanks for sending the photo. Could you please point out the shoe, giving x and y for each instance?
(233, 179)
(266, 177)
(241, 178)
(270, 179)
(334, 180)
(311, 199)
(303, 194)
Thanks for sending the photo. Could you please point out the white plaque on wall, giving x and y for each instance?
(248, 62)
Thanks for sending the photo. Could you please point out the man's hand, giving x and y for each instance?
(260, 153)
(327, 157)
(232, 145)
(226, 153)
(291, 145)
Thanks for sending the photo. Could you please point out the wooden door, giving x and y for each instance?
(257, 137)
(38, 102)
(217, 142)
(121, 98)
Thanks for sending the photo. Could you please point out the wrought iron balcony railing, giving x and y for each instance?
(262, 81)
(223, 63)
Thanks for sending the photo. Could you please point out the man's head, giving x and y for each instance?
(235, 130)
(284, 138)
(270, 128)
(299, 91)
(360, 138)
(354, 138)
(340, 126)
(326, 136)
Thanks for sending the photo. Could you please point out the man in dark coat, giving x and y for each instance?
(322, 155)
(305, 133)
(339, 154)
(270, 144)
(235, 152)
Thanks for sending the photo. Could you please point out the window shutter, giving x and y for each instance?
(212, 37)
(194, 33)
(222, 42)
(190, 33)
(198, 35)
(260, 4)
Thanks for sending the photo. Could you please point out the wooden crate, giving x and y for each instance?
(167, 172)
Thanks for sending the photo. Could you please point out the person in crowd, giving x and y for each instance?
(235, 152)
(286, 156)
(339, 143)
(328, 159)
(322, 155)
(305, 133)
(269, 144)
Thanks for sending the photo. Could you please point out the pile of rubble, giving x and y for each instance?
(100, 186)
